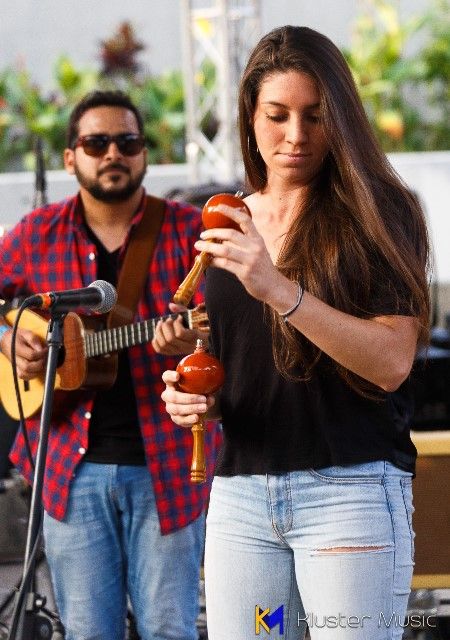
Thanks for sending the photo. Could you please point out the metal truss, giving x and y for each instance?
(218, 36)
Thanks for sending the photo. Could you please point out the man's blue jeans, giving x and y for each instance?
(110, 545)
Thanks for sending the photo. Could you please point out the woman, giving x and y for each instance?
(316, 311)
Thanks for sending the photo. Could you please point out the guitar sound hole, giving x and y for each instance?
(61, 356)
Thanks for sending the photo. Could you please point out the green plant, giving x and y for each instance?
(27, 113)
(390, 80)
(406, 95)
(119, 52)
(436, 56)
(161, 101)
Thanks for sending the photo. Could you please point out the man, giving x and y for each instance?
(122, 518)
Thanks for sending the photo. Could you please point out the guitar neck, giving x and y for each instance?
(112, 340)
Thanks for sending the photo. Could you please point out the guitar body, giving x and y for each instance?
(31, 391)
(78, 368)
(75, 372)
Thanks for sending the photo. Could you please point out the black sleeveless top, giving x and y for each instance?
(272, 425)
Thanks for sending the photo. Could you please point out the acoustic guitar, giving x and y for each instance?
(88, 358)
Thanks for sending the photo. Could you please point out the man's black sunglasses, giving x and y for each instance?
(96, 144)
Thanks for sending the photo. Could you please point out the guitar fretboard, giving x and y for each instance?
(107, 341)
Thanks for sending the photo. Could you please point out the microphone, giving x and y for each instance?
(99, 296)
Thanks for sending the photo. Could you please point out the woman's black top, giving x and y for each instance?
(272, 425)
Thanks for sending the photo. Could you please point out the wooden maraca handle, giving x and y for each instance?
(189, 285)
(198, 464)
(213, 216)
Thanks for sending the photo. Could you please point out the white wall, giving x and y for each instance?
(17, 189)
(429, 175)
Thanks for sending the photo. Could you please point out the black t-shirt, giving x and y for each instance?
(272, 425)
(114, 431)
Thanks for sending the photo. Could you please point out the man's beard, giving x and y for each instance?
(111, 195)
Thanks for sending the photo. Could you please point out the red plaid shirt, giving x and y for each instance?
(49, 250)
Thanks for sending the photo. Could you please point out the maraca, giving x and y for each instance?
(213, 217)
(200, 372)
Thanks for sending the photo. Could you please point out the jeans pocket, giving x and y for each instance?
(365, 473)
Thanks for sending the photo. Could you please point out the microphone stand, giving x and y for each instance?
(40, 183)
(31, 621)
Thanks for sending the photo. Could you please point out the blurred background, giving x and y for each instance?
(53, 51)
(180, 61)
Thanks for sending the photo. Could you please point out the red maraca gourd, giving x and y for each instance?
(200, 372)
(215, 210)
(214, 217)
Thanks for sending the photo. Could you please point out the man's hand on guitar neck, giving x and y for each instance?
(172, 338)
(31, 353)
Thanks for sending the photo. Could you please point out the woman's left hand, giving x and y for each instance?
(243, 254)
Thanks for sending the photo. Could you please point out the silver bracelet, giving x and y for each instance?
(290, 311)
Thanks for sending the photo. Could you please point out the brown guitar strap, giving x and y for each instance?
(134, 269)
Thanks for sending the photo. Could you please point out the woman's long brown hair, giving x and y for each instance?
(360, 225)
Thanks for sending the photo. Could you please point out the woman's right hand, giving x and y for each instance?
(185, 409)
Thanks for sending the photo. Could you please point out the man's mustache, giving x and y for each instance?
(114, 165)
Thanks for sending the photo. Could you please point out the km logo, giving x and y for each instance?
(267, 620)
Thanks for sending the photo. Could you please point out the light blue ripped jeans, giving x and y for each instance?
(331, 549)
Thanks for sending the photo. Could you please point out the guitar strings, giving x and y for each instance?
(105, 341)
